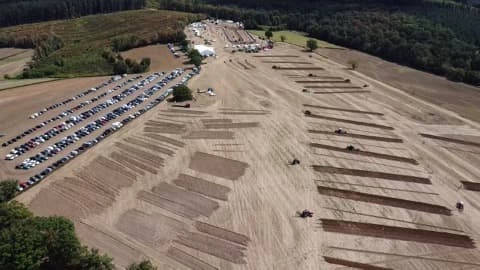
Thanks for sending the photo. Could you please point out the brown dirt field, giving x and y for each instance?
(233, 125)
(165, 139)
(161, 57)
(243, 65)
(189, 260)
(213, 246)
(383, 200)
(364, 153)
(222, 233)
(263, 202)
(372, 174)
(150, 146)
(123, 158)
(357, 136)
(397, 233)
(216, 121)
(185, 111)
(350, 121)
(298, 68)
(163, 130)
(7, 52)
(13, 62)
(277, 55)
(141, 155)
(218, 166)
(352, 264)
(343, 92)
(209, 135)
(446, 139)
(192, 200)
(459, 98)
(165, 124)
(342, 110)
(332, 87)
(202, 186)
(168, 205)
(153, 230)
(328, 81)
(287, 62)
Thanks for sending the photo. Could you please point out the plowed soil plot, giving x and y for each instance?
(150, 146)
(365, 153)
(352, 264)
(299, 68)
(188, 260)
(332, 87)
(153, 230)
(350, 121)
(142, 156)
(287, 62)
(383, 200)
(222, 233)
(171, 206)
(185, 111)
(165, 139)
(446, 139)
(342, 110)
(397, 233)
(209, 135)
(195, 201)
(372, 174)
(328, 81)
(232, 125)
(357, 136)
(216, 121)
(342, 92)
(202, 186)
(213, 246)
(471, 185)
(243, 113)
(131, 163)
(164, 130)
(250, 64)
(243, 65)
(278, 55)
(218, 166)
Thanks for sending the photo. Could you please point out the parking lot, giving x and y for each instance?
(61, 130)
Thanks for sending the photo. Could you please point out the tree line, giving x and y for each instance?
(14, 12)
(441, 38)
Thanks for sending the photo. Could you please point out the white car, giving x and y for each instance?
(11, 156)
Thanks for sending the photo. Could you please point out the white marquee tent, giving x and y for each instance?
(205, 50)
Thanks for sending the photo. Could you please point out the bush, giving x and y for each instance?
(182, 93)
(8, 189)
(120, 67)
(312, 44)
(144, 265)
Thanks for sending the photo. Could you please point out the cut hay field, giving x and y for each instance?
(85, 38)
(295, 38)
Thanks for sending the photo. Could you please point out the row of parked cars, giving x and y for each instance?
(97, 124)
(115, 126)
(68, 112)
(74, 120)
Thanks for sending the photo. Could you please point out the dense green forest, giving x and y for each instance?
(14, 12)
(439, 37)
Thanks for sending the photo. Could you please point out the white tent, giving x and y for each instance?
(204, 50)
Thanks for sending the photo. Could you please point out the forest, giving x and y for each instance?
(14, 12)
(438, 37)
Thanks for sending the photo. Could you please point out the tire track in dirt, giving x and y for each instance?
(342, 109)
(384, 200)
(298, 68)
(360, 123)
(218, 166)
(397, 233)
(188, 260)
(471, 185)
(143, 156)
(222, 233)
(164, 130)
(353, 264)
(287, 62)
(187, 111)
(202, 186)
(233, 125)
(165, 139)
(150, 146)
(342, 92)
(357, 136)
(365, 153)
(332, 87)
(216, 121)
(323, 81)
(372, 174)
(277, 55)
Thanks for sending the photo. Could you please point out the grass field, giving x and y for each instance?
(85, 38)
(293, 37)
